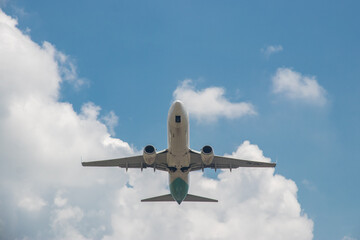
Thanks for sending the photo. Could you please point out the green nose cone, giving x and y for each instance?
(179, 189)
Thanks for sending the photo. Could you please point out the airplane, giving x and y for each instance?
(178, 159)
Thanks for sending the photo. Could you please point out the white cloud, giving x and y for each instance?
(18, 11)
(269, 50)
(249, 151)
(111, 121)
(67, 67)
(348, 238)
(65, 223)
(295, 86)
(209, 104)
(59, 201)
(32, 203)
(42, 140)
(68, 213)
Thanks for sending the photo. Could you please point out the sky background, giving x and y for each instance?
(96, 79)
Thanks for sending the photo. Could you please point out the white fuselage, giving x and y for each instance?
(178, 158)
(178, 136)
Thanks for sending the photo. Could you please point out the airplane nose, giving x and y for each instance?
(177, 116)
(178, 104)
(178, 107)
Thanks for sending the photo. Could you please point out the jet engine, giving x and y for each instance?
(207, 155)
(149, 154)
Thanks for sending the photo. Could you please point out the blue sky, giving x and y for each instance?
(132, 56)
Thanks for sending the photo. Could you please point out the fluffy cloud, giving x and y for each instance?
(269, 50)
(67, 68)
(295, 86)
(46, 194)
(111, 121)
(42, 139)
(209, 104)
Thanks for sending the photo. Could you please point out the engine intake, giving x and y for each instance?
(207, 155)
(149, 154)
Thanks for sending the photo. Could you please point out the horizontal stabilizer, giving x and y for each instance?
(193, 198)
(169, 198)
(163, 198)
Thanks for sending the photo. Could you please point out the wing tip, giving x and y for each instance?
(84, 164)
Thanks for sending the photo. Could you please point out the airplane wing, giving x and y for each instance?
(223, 162)
(132, 162)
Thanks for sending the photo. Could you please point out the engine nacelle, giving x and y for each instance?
(149, 154)
(207, 155)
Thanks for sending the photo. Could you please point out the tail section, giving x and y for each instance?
(169, 198)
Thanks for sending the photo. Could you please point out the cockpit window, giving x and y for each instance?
(177, 119)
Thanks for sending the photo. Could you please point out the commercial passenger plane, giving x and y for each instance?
(178, 160)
